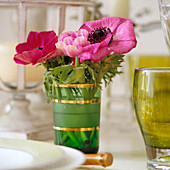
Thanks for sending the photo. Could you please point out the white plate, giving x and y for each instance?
(72, 159)
(27, 154)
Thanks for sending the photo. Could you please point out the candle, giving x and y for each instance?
(34, 73)
(8, 68)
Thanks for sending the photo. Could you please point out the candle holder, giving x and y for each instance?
(19, 121)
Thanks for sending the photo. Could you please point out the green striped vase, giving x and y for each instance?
(76, 115)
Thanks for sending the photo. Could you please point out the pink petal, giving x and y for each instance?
(62, 46)
(34, 40)
(112, 22)
(28, 57)
(91, 25)
(109, 22)
(92, 48)
(85, 56)
(34, 55)
(50, 46)
(22, 47)
(46, 36)
(18, 59)
(74, 34)
(99, 55)
(55, 53)
(121, 28)
(121, 47)
(84, 26)
(73, 51)
(68, 40)
(83, 32)
(64, 34)
(106, 41)
(81, 41)
(124, 31)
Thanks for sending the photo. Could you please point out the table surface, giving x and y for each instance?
(125, 143)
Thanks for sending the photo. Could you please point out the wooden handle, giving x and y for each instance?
(103, 159)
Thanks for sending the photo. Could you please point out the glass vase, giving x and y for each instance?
(76, 116)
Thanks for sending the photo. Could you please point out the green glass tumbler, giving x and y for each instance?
(76, 116)
(151, 95)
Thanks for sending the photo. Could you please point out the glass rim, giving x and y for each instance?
(164, 2)
(154, 69)
(76, 85)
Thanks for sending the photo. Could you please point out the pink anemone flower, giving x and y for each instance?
(72, 42)
(38, 48)
(108, 34)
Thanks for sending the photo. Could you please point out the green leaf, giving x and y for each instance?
(65, 72)
(76, 76)
(92, 74)
(60, 71)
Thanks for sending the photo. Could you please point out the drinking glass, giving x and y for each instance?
(151, 96)
(164, 8)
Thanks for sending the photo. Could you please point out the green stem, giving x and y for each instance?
(93, 91)
(74, 139)
(76, 93)
(92, 134)
(76, 61)
(94, 138)
(53, 92)
(100, 76)
(83, 135)
(69, 93)
(58, 92)
(90, 93)
(64, 139)
(85, 94)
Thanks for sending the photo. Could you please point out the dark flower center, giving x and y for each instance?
(39, 48)
(98, 35)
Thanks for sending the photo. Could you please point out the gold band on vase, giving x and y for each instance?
(75, 85)
(76, 101)
(76, 129)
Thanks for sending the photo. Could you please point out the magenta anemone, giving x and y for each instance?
(38, 47)
(108, 34)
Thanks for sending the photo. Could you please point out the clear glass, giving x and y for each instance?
(164, 6)
(151, 96)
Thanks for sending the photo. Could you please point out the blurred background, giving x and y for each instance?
(117, 105)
